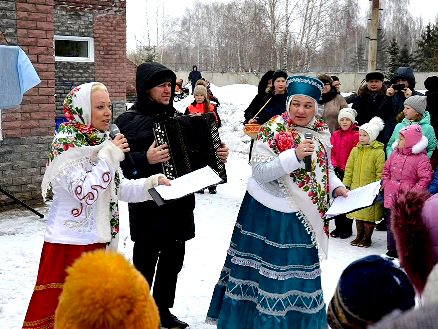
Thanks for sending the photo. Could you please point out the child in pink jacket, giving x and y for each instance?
(343, 140)
(408, 168)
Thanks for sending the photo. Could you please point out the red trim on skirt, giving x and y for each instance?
(55, 259)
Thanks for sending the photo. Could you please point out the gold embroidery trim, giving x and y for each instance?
(49, 325)
(48, 286)
(34, 323)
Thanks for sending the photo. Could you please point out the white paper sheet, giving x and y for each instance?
(189, 183)
(358, 198)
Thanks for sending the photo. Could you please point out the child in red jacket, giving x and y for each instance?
(343, 140)
(201, 106)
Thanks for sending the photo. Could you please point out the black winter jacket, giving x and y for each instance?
(276, 106)
(173, 221)
(261, 93)
(393, 105)
(367, 106)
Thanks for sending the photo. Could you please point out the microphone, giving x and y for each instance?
(308, 158)
(114, 131)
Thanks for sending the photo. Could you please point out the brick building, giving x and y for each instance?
(88, 38)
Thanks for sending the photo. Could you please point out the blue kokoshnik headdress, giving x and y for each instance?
(303, 85)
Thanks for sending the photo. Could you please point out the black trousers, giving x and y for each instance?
(160, 263)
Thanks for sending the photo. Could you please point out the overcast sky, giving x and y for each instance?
(428, 9)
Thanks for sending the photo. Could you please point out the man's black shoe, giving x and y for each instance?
(170, 321)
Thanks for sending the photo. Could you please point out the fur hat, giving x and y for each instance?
(348, 113)
(200, 90)
(103, 290)
(412, 135)
(368, 289)
(413, 241)
(279, 74)
(418, 103)
(431, 83)
(376, 75)
(373, 128)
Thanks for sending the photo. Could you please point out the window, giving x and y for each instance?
(74, 49)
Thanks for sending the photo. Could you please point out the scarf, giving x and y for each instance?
(327, 97)
(76, 144)
(306, 191)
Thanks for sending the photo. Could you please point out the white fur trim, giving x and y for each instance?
(111, 153)
(267, 199)
(420, 146)
(395, 144)
(289, 161)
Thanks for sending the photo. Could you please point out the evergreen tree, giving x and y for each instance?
(358, 61)
(405, 58)
(426, 55)
(394, 55)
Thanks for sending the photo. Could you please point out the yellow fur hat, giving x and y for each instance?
(104, 291)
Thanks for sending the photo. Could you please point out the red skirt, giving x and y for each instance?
(55, 259)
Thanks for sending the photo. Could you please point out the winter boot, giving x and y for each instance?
(360, 232)
(346, 228)
(212, 190)
(366, 241)
(381, 226)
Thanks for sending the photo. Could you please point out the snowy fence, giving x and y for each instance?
(349, 81)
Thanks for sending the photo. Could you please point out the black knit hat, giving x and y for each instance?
(376, 75)
(431, 83)
(368, 289)
(279, 74)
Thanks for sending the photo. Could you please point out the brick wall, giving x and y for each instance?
(28, 129)
(8, 24)
(131, 92)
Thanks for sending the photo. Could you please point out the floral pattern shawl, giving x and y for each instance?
(77, 142)
(306, 191)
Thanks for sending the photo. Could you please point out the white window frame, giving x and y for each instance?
(90, 41)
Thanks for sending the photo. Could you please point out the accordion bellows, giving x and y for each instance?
(192, 143)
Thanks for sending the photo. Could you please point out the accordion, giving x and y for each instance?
(192, 143)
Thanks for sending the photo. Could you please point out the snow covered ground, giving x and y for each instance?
(21, 232)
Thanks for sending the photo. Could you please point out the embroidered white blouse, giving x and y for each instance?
(79, 213)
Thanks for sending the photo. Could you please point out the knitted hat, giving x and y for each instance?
(200, 90)
(431, 83)
(103, 290)
(279, 74)
(412, 134)
(418, 103)
(373, 128)
(376, 75)
(368, 289)
(348, 113)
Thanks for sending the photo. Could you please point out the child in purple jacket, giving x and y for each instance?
(408, 168)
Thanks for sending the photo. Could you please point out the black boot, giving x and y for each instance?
(346, 228)
(170, 321)
(381, 226)
(212, 190)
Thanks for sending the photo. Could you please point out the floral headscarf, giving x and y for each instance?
(78, 132)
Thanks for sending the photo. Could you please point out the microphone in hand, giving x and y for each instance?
(308, 158)
(114, 131)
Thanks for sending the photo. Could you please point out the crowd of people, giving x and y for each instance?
(271, 277)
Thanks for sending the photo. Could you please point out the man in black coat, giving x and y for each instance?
(194, 76)
(393, 102)
(370, 97)
(159, 233)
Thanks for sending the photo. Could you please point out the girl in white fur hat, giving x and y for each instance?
(364, 166)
